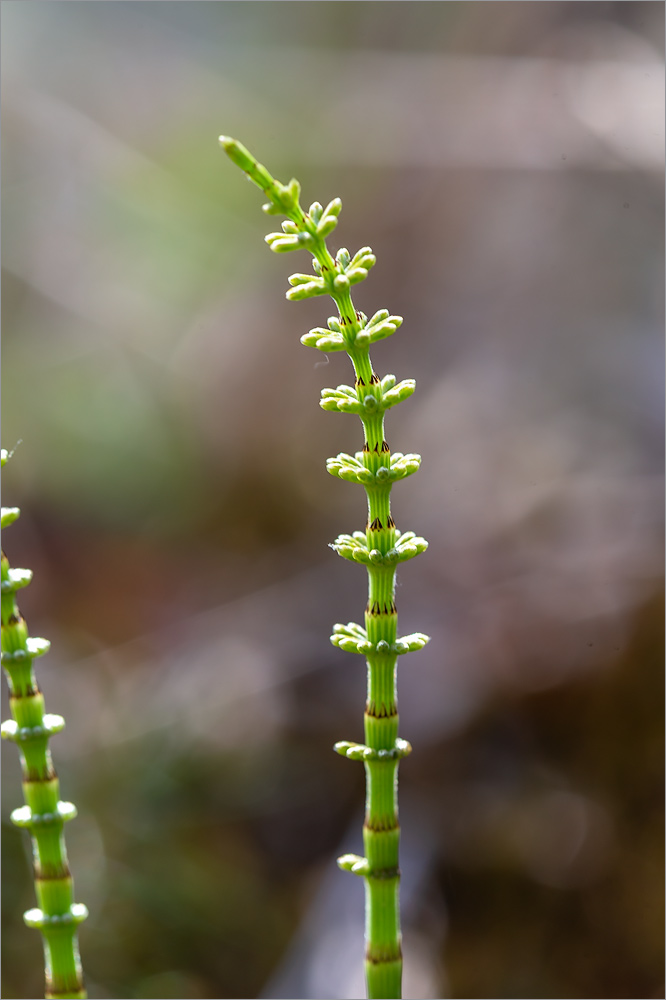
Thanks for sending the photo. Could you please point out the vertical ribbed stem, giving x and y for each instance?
(380, 549)
(44, 815)
(381, 832)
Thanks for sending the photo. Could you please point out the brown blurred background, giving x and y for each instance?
(504, 161)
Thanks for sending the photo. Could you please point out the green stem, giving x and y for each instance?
(44, 815)
(380, 548)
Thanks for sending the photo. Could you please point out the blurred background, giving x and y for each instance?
(505, 162)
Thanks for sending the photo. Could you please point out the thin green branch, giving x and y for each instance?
(57, 916)
(380, 547)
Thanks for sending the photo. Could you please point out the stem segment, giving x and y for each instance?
(44, 815)
(380, 548)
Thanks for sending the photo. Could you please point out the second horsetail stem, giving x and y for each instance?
(57, 916)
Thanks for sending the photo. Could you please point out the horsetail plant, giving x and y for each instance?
(44, 815)
(380, 547)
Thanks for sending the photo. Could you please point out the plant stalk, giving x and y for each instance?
(381, 547)
(57, 916)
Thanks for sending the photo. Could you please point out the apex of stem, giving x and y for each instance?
(283, 197)
(237, 152)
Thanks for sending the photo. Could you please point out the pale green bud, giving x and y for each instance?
(315, 212)
(404, 465)
(334, 324)
(326, 226)
(367, 262)
(344, 459)
(411, 643)
(379, 316)
(334, 342)
(300, 279)
(6, 455)
(346, 551)
(331, 343)
(341, 282)
(289, 227)
(293, 190)
(352, 638)
(403, 390)
(406, 387)
(283, 197)
(9, 515)
(279, 243)
(349, 468)
(348, 390)
(305, 239)
(20, 646)
(351, 628)
(344, 540)
(16, 578)
(306, 291)
(271, 209)
(381, 330)
(345, 405)
(387, 382)
(352, 751)
(342, 258)
(354, 864)
(360, 255)
(407, 548)
(333, 207)
(328, 342)
(363, 476)
(381, 325)
(352, 548)
(342, 399)
(356, 274)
